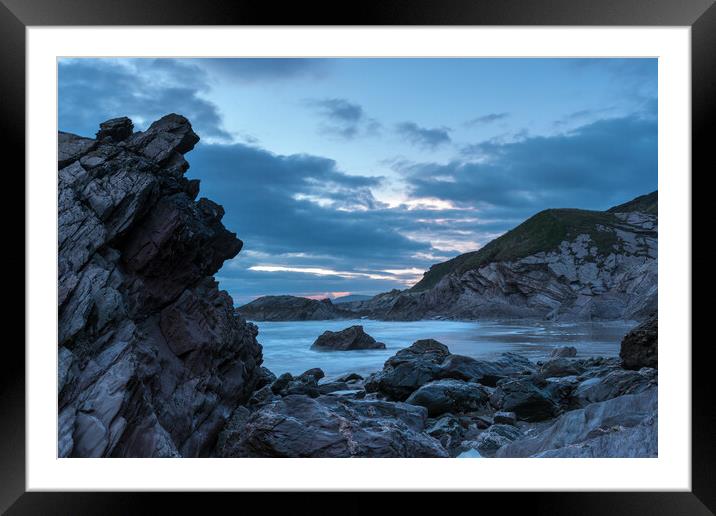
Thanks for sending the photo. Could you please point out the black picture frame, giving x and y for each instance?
(17, 15)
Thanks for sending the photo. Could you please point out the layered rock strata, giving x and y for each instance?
(152, 359)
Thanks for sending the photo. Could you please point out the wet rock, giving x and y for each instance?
(620, 427)
(264, 377)
(409, 369)
(556, 367)
(616, 441)
(505, 418)
(492, 439)
(329, 387)
(447, 430)
(525, 398)
(306, 384)
(564, 352)
(331, 426)
(262, 396)
(348, 339)
(454, 396)
(313, 374)
(484, 371)
(614, 384)
(350, 377)
(233, 430)
(639, 348)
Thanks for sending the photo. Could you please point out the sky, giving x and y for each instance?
(353, 176)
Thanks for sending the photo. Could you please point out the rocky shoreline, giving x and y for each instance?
(155, 362)
(428, 402)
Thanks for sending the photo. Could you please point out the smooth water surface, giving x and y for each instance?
(287, 345)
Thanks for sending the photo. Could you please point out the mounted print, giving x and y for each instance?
(375, 257)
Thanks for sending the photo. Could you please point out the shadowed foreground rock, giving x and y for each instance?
(625, 426)
(641, 345)
(351, 338)
(152, 359)
(299, 426)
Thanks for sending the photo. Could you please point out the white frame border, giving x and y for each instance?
(670, 471)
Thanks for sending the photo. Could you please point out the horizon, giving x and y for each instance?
(353, 176)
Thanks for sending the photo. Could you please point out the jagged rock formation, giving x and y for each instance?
(560, 264)
(152, 359)
(351, 338)
(291, 308)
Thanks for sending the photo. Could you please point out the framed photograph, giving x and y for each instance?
(414, 249)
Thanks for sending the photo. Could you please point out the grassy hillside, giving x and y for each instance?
(648, 203)
(541, 232)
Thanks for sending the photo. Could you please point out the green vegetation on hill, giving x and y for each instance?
(542, 232)
(648, 203)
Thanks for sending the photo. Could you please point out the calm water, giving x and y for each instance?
(287, 344)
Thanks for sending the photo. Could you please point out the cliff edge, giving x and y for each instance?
(152, 358)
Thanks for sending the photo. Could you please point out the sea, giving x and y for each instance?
(287, 345)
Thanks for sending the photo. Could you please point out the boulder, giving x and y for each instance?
(453, 396)
(639, 348)
(331, 426)
(564, 352)
(447, 429)
(525, 398)
(409, 369)
(624, 426)
(348, 339)
(614, 384)
(556, 367)
(631, 442)
(350, 377)
(305, 383)
(486, 372)
(492, 439)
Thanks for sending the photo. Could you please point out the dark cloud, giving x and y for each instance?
(486, 119)
(94, 90)
(296, 203)
(344, 118)
(265, 69)
(423, 137)
(300, 212)
(595, 166)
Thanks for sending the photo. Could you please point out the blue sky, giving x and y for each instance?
(355, 175)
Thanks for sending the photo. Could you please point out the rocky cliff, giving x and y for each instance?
(561, 264)
(152, 358)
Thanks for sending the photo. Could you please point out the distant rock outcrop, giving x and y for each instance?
(152, 358)
(291, 308)
(563, 264)
(351, 338)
